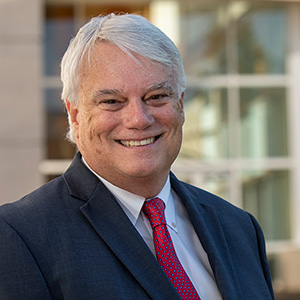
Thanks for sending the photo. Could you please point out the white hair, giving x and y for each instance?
(131, 33)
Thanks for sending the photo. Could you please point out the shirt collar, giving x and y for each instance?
(167, 196)
(132, 204)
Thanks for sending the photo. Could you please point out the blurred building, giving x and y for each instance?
(242, 104)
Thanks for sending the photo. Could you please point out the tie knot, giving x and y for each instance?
(154, 211)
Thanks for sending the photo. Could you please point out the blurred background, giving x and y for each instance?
(242, 104)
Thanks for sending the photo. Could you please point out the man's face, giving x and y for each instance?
(128, 119)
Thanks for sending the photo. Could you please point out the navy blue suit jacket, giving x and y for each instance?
(70, 239)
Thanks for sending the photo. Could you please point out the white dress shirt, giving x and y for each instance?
(186, 243)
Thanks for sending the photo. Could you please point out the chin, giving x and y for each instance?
(144, 172)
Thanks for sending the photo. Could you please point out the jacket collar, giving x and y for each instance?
(211, 235)
(80, 181)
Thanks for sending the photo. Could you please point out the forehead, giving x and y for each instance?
(108, 64)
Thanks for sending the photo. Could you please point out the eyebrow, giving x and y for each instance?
(99, 93)
(163, 85)
(156, 86)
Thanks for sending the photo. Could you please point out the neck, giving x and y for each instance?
(147, 187)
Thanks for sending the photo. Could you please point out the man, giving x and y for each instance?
(90, 233)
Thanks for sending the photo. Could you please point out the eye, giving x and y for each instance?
(110, 101)
(157, 99)
(111, 104)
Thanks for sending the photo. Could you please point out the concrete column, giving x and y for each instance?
(21, 98)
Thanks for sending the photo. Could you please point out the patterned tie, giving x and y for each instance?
(165, 252)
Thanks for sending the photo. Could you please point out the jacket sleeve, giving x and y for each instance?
(262, 254)
(20, 276)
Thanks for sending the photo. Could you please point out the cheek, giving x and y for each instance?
(178, 115)
(171, 117)
(180, 112)
(96, 128)
(91, 130)
(86, 129)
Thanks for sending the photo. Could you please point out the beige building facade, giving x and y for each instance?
(21, 112)
(242, 104)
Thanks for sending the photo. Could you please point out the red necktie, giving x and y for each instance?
(165, 252)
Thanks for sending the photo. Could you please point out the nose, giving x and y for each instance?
(138, 115)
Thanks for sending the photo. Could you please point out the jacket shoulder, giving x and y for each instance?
(44, 198)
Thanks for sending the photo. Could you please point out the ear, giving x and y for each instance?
(73, 115)
(181, 106)
(72, 110)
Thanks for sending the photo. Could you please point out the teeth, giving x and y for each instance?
(138, 143)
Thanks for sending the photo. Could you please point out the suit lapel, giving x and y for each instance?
(211, 235)
(112, 225)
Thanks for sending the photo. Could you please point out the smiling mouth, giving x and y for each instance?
(135, 143)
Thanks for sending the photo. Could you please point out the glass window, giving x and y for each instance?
(205, 132)
(93, 10)
(203, 38)
(56, 127)
(59, 29)
(263, 122)
(217, 183)
(266, 196)
(213, 182)
(262, 40)
(233, 37)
